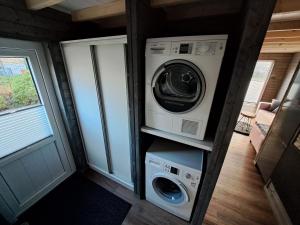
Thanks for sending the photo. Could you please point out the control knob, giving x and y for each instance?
(188, 175)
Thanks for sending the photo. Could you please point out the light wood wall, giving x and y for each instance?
(289, 75)
(281, 64)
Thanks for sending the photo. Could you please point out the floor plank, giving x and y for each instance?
(238, 198)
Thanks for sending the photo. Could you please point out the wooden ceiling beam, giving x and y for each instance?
(204, 8)
(110, 9)
(283, 34)
(286, 16)
(40, 4)
(283, 6)
(162, 3)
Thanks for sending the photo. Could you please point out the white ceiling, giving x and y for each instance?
(71, 5)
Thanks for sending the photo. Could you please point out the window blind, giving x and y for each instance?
(21, 129)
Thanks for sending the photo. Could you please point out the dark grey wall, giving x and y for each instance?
(285, 179)
(16, 21)
(49, 26)
(286, 175)
(68, 106)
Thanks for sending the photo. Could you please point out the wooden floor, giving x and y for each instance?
(238, 199)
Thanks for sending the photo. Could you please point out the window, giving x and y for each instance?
(260, 76)
(23, 119)
(17, 88)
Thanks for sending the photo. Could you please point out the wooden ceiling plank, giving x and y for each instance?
(40, 4)
(282, 40)
(280, 47)
(283, 34)
(105, 10)
(284, 25)
(287, 6)
(281, 44)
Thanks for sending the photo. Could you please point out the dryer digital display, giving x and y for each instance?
(185, 48)
(174, 170)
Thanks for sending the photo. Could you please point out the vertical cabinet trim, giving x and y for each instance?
(101, 107)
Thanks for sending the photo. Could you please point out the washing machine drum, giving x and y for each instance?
(170, 191)
(178, 86)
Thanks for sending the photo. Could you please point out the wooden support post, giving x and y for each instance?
(143, 22)
(255, 19)
(136, 67)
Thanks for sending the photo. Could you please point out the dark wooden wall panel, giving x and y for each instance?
(16, 21)
(68, 106)
(285, 179)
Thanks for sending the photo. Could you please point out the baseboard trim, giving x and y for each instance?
(112, 177)
(276, 205)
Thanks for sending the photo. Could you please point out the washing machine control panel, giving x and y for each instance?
(191, 178)
(171, 169)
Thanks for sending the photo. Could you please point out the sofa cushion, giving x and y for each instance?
(264, 117)
(264, 128)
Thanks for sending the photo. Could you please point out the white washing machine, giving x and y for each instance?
(173, 174)
(181, 77)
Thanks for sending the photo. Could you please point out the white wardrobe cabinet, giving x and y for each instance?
(98, 79)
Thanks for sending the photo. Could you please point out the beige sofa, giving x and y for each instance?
(263, 120)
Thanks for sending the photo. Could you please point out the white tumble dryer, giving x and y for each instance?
(173, 174)
(181, 77)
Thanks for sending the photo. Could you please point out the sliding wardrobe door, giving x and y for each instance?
(98, 78)
(79, 63)
(111, 61)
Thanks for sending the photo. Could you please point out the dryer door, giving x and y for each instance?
(170, 189)
(178, 86)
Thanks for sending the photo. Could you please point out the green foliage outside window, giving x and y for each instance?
(17, 91)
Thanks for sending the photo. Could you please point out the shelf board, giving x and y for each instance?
(205, 145)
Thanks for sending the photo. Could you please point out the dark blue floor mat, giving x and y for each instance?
(77, 201)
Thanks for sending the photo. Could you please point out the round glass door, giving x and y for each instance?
(178, 86)
(169, 190)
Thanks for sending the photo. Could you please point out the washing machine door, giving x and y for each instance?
(178, 86)
(170, 190)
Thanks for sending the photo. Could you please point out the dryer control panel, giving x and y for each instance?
(206, 48)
